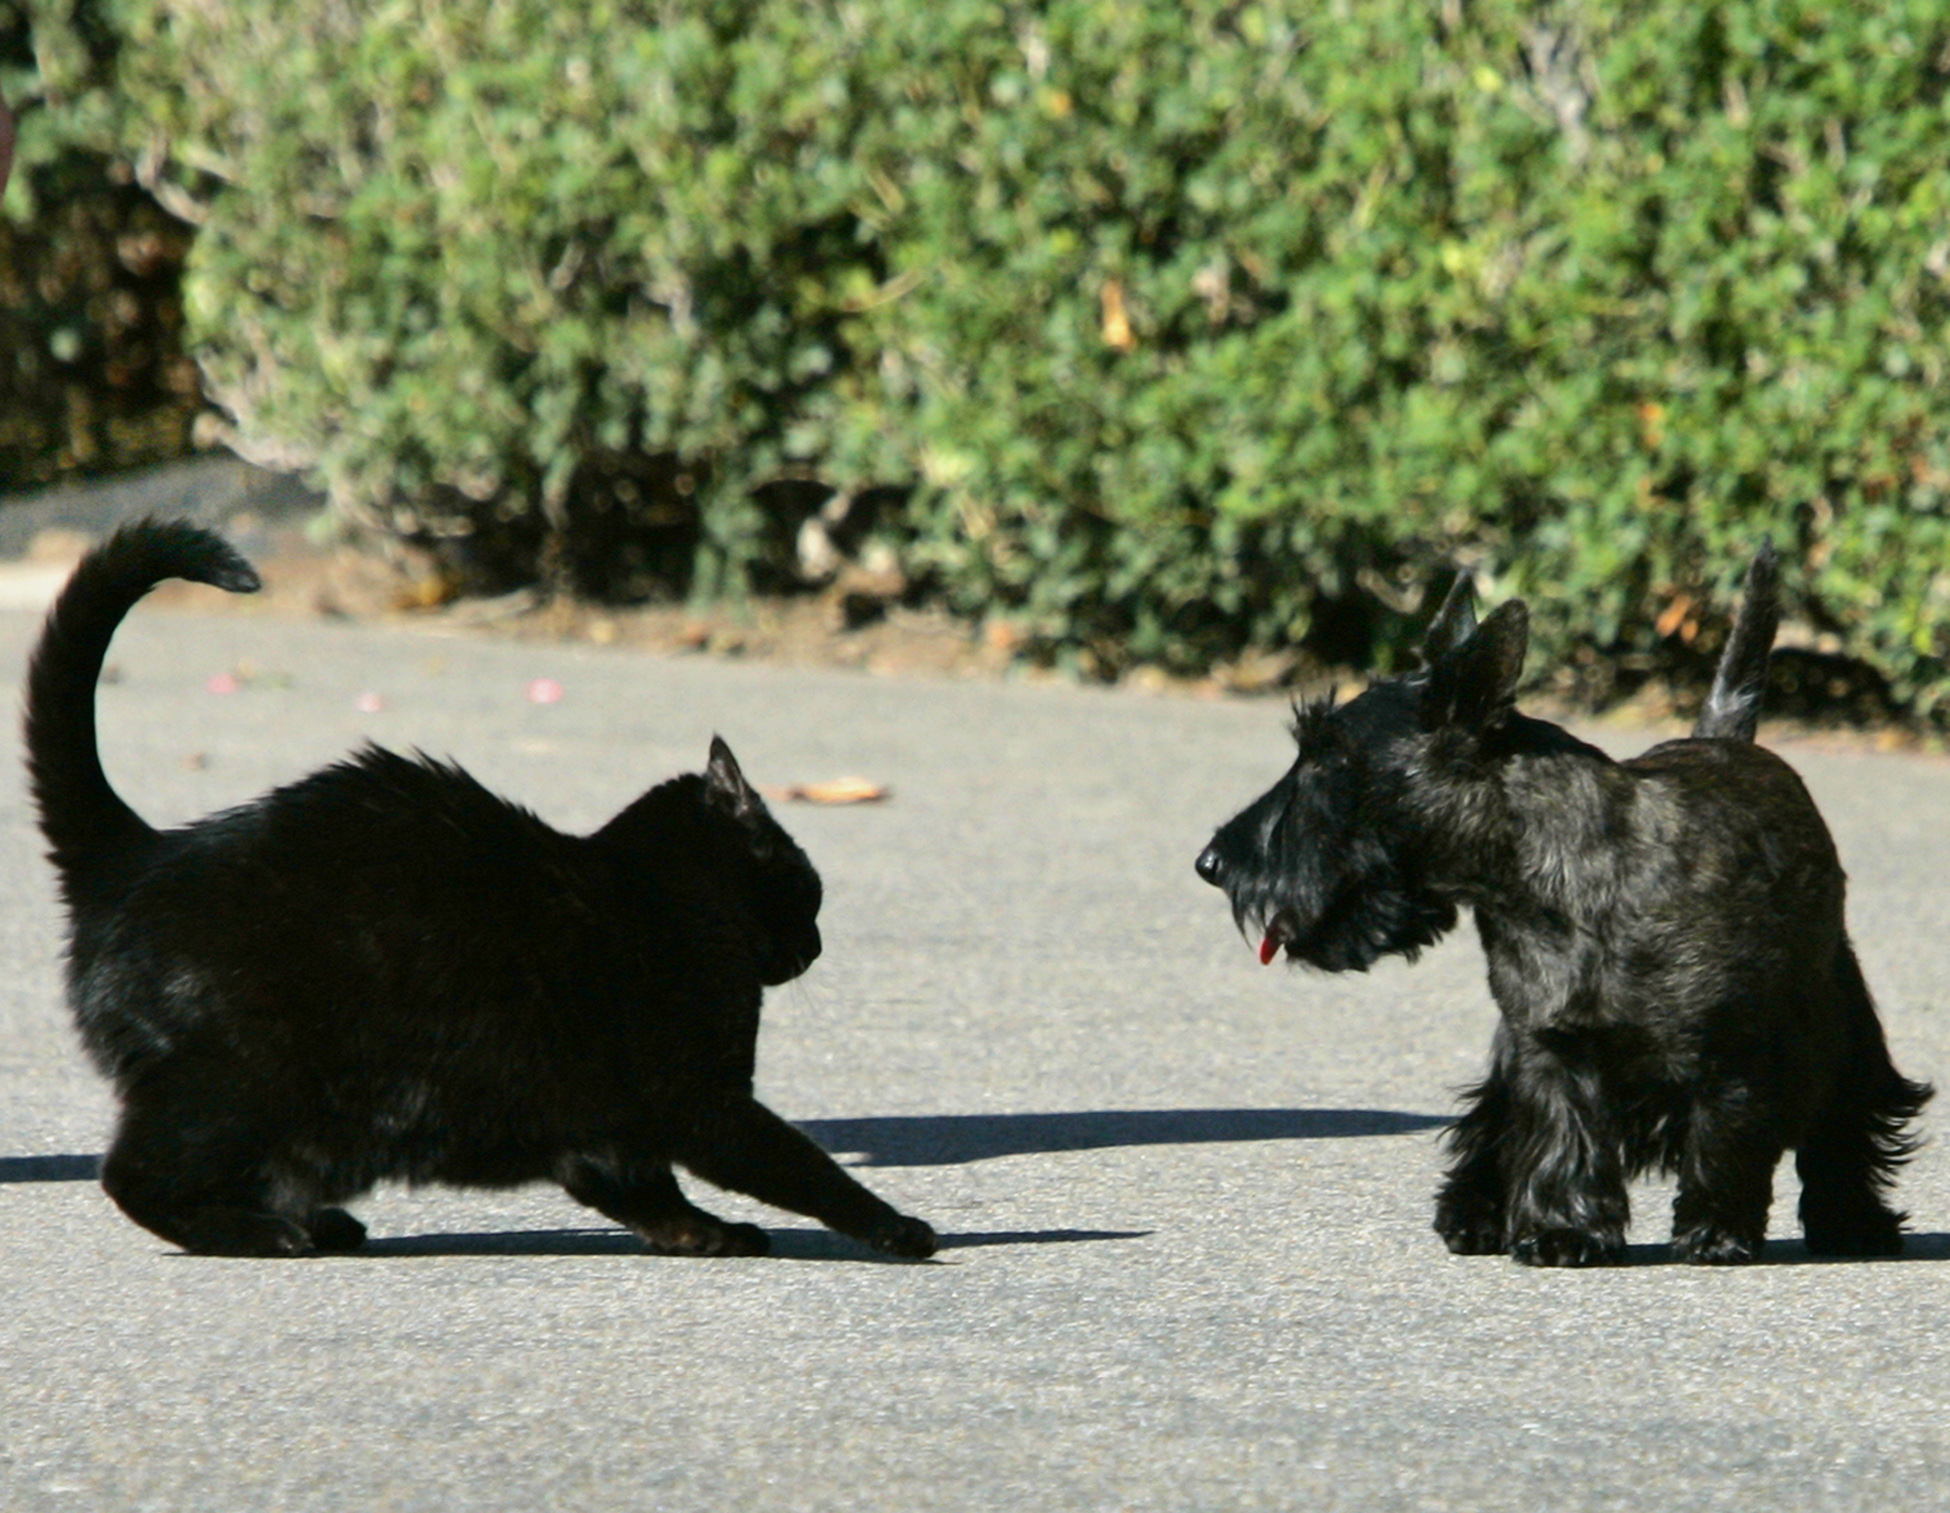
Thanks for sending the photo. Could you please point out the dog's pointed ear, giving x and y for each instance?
(1453, 623)
(1475, 683)
(725, 788)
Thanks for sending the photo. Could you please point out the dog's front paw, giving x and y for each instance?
(1469, 1230)
(904, 1236)
(1715, 1247)
(1566, 1247)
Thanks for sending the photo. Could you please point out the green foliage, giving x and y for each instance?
(1188, 324)
(93, 377)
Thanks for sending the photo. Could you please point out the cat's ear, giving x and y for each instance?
(725, 787)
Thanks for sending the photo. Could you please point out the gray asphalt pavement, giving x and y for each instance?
(1185, 1200)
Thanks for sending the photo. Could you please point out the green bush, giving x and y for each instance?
(1592, 303)
(94, 376)
(1183, 326)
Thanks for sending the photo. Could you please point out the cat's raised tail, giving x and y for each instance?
(81, 815)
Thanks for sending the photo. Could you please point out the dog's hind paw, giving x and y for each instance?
(1878, 1233)
(1567, 1247)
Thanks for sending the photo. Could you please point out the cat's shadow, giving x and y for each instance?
(954, 1139)
(49, 1168)
(787, 1244)
(895, 1140)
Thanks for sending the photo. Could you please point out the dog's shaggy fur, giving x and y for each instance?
(1665, 945)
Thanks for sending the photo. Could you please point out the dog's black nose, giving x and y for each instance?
(1210, 867)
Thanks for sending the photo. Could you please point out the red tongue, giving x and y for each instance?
(1268, 949)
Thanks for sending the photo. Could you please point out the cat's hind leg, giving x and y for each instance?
(649, 1201)
(198, 1179)
(334, 1231)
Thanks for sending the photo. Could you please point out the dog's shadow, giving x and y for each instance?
(955, 1139)
(1916, 1247)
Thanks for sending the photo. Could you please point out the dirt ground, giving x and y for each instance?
(842, 626)
(853, 623)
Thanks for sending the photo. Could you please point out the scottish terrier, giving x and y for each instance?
(1665, 944)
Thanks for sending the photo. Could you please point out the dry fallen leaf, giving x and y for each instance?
(833, 791)
(1117, 321)
(1678, 617)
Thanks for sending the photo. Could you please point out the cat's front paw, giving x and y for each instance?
(701, 1235)
(743, 1240)
(904, 1236)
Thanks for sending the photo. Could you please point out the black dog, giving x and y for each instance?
(1665, 945)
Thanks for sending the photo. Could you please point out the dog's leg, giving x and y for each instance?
(1850, 1155)
(1726, 1174)
(1568, 1204)
(1842, 1214)
(1470, 1207)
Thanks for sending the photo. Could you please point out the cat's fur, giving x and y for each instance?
(385, 971)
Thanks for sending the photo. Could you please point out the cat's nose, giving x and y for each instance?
(1210, 866)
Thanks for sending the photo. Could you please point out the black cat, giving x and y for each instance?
(384, 971)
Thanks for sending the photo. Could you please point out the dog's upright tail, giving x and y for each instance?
(1732, 710)
(81, 815)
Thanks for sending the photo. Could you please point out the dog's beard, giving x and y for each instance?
(1305, 881)
(1363, 921)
